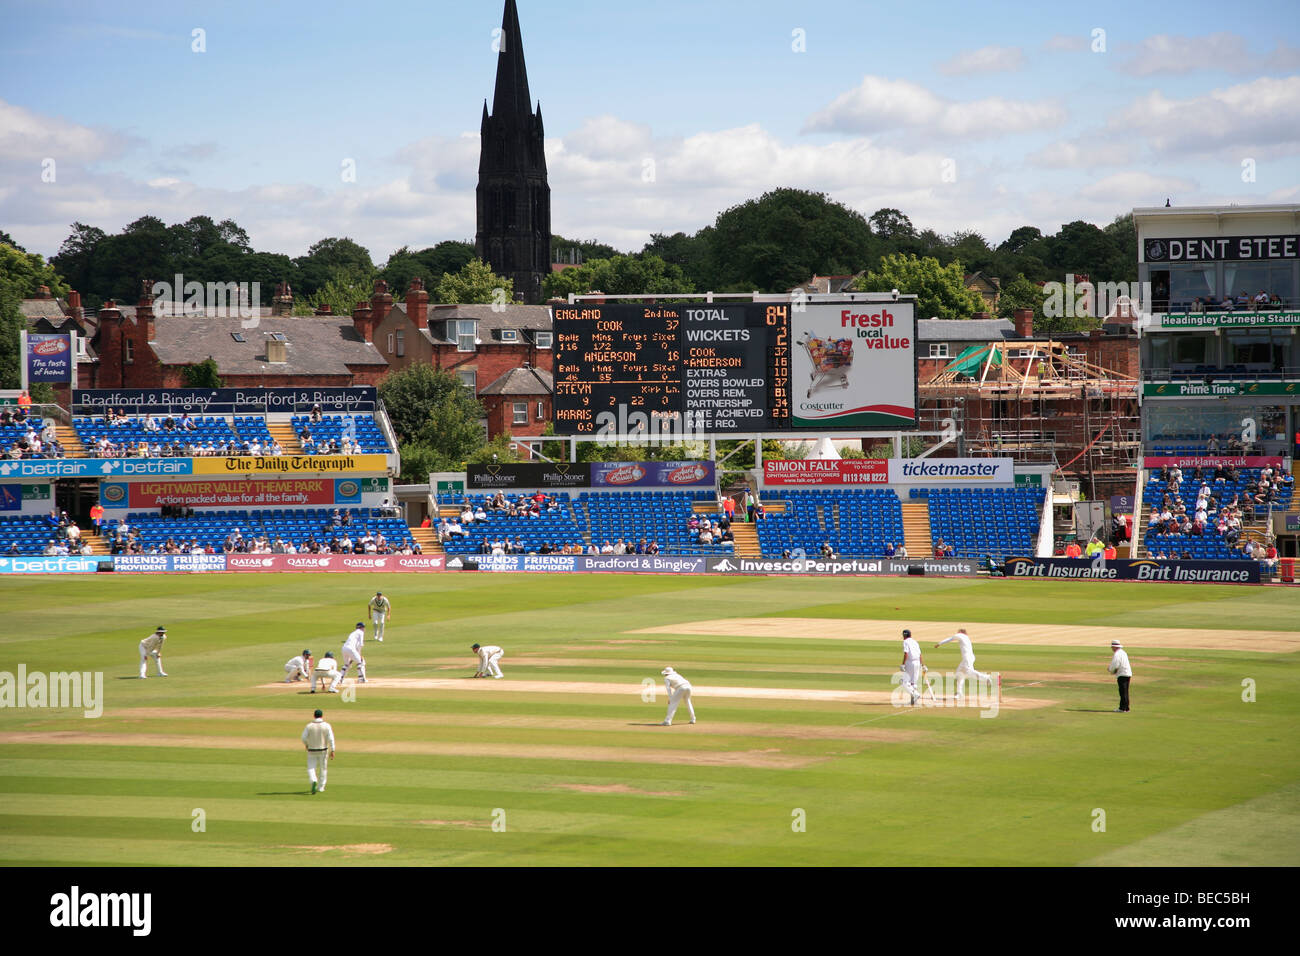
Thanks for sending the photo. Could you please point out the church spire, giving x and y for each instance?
(511, 97)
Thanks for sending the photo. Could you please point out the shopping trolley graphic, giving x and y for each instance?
(831, 359)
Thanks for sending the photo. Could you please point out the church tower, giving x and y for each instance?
(513, 199)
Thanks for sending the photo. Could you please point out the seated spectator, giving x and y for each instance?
(480, 514)
(890, 550)
(652, 548)
(705, 536)
(607, 548)
(316, 415)
(1261, 299)
(901, 553)
(992, 567)
(467, 514)
(826, 550)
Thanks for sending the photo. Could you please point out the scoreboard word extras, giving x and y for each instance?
(672, 370)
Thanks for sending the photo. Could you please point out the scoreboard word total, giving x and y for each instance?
(693, 370)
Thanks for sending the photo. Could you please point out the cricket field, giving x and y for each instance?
(801, 755)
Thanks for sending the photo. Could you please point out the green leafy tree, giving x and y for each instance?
(427, 264)
(1020, 293)
(940, 290)
(783, 238)
(584, 250)
(429, 407)
(21, 276)
(341, 294)
(474, 283)
(891, 225)
(333, 259)
(498, 449)
(202, 375)
(621, 275)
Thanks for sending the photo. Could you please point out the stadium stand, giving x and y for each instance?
(210, 528)
(554, 528)
(995, 521)
(10, 435)
(1210, 545)
(30, 533)
(132, 431)
(331, 427)
(857, 522)
(659, 516)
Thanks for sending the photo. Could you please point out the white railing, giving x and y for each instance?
(1046, 525)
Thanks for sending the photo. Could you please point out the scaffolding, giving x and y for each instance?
(1040, 403)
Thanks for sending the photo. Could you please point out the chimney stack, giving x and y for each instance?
(277, 353)
(985, 316)
(361, 321)
(381, 303)
(1024, 322)
(144, 311)
(324, 309)
(282, 302)
(75, 311)
(417, 304)
(43, 292)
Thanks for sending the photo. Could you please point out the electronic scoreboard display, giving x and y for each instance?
(711, 369)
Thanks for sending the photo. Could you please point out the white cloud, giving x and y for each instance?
(1067, 43)
(1129, 188)
(877, 105)
(1260, 113)
(987, 59)
(1224, 52)
(27, 137)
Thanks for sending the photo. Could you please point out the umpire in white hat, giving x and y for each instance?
(1119, 666)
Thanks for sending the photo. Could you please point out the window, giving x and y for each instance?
(509, 335)
(464, 332)
(390, 343)
(401, 344)
(544, 340)
(469, 378)
(81, 345)
(521, 413)
(279, 337)
(938, 350)
(130, 351)
(541, 411)
(238, 336)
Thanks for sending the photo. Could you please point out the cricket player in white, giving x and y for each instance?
(151, 646)
(327, 673)
(298, 668)
(911, 666)
(966, 666)
(380, 612)
(318, 738)
(679, 692)
(489, 660)
(352, 654)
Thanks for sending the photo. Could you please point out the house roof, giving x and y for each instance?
(827, 285)
(316, 346)
(522, 381)
(991, 282)
(964, 330)
(534, 318)
(52, 309)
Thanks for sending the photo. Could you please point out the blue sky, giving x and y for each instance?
(658, 115)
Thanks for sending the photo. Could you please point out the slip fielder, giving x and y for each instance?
(318, 738)
(380, 611)
(966, 666)
(298, 668)
(151, 646)
(489, 658)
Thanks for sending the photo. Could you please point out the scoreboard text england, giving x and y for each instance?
(704, 369)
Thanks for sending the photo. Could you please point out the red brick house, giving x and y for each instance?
(519, 402)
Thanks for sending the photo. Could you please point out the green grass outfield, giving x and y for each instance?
(1193, 775)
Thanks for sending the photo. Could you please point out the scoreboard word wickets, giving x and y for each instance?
(683, 368)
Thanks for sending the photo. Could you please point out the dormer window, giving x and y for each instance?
(509, 335)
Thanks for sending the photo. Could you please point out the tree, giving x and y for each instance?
(8, 240)
(333, 258)
(621, 275)
(341, 294)
(583, 250)
(940, 290)
(21, 275)
(783, 238)
(430, 408)
(474, 283)
(891, 224)
(1020, 293)
(427, 264)
(498, 449)
(202, 375)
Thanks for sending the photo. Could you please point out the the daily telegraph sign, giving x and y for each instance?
(940, 567)
(224, 401)
(1134, 569)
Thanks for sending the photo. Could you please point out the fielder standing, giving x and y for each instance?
(352, 654)
(1119, 666)
(298, 668)
(679, 692)
(489, 660)
(966, 666)
(911, 666)
(380, 612)
(318, 738)
(151, 646)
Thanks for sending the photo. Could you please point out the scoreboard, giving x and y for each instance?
(717, 368)
(711, 369)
